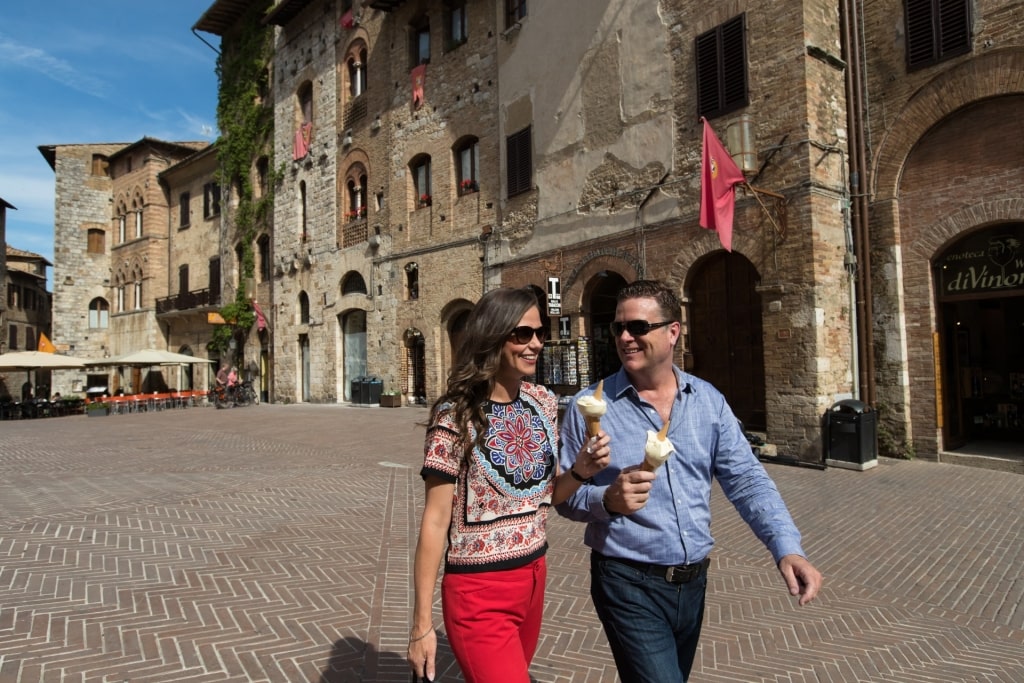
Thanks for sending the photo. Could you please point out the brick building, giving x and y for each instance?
(579, 134)
(111, 227)
(26, 315)
(425, 151)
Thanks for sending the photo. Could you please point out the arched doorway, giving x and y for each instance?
(601, 303)
(979, 282)
(353, 350)
(725, 333)
(186, 373)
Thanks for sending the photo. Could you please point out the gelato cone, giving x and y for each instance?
(658, 449)
(592, 408)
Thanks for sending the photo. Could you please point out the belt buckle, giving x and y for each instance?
(670, 575)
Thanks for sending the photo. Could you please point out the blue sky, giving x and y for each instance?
(82, 71)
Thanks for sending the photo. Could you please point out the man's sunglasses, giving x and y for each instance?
(524, 334)
(636, 328)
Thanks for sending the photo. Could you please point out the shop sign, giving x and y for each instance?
(988, 261)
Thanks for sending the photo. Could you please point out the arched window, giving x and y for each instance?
(137, 206)
(466, 154)
(305, 97)
(303, 308)
(122, 223)
(355, 192)
(263, 246)
(357, 71)
(303, 235)
(419, 169)
(303, 121)
(99, 313)
(239, 263)
(353, 283)
(412, 281)
(419, 41)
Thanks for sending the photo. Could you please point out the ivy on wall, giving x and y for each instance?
(246, 120)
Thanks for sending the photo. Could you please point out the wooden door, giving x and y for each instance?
(726, 334)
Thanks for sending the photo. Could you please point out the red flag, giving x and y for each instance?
(261, 320)
(419, 75)
(347, 20)
(719, 175)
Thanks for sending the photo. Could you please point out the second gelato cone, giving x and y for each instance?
(592, 408)
(658, 449)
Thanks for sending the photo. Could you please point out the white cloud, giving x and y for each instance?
(39, 61)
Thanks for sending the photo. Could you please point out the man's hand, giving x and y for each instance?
(801, 577)
(629, 492)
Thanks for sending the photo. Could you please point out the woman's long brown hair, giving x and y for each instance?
(478, 357)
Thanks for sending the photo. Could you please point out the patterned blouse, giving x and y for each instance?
(503, 491)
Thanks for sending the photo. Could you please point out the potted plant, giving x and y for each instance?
(425, 200)
(391, 399)
(97, 409)
(468, 186)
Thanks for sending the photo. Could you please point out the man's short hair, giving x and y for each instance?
(667, 300)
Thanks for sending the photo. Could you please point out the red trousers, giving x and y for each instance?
(492, 620)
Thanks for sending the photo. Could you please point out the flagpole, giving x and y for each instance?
(757, 192)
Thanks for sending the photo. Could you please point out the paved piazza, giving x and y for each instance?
(274, 543)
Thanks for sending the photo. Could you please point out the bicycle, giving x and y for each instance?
(241, 394)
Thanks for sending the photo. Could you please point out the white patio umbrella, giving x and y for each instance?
(40, 360)
(149, 357)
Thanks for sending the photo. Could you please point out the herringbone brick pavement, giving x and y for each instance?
(274, 543)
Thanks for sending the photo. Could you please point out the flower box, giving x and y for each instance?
(391, 401)
(97, 409)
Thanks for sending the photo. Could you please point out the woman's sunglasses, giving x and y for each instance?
(636, 328)
(524, 334)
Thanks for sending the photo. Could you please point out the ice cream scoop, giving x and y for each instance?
(658, 448)
(592, 408)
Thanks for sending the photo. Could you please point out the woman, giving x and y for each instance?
(491, 475)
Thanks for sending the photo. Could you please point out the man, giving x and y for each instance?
(222, 375)
(649, 532)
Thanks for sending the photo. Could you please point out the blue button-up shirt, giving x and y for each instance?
(675, 526)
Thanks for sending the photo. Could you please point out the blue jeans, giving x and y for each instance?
(652, 625)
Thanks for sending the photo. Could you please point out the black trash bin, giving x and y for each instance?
(359, 390)
(374, 385)
(850, 435)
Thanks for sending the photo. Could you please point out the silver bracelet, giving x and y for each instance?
(425, 634)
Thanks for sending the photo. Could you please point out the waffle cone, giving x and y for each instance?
(593, 425)
(646, 466)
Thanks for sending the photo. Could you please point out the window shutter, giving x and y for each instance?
(936, 30)
(708, 99)
(734, 64)
(954, 27)
(520, 162)
(721, 58)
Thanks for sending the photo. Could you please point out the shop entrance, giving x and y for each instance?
(725, 333)
(980, 282)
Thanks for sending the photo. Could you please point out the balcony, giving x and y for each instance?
(187, 301)
(354, 232)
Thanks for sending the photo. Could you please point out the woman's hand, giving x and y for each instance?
(594, 456)
(422, 654)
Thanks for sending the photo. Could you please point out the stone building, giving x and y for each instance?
(876, 248)
(388, 190)
(193, 275)
(111, 226)
(26, 315)
(944, 113)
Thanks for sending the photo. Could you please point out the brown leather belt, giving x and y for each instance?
(681, 573)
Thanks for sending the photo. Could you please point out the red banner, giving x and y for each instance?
(719, 176)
